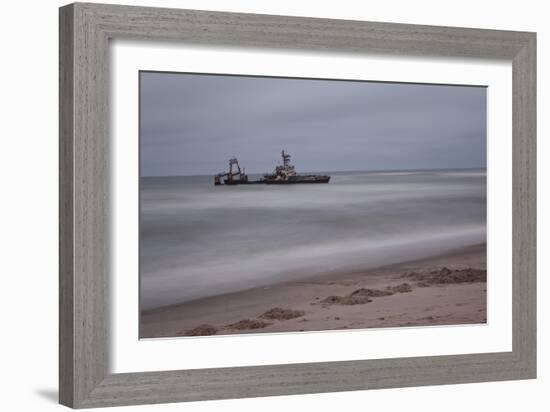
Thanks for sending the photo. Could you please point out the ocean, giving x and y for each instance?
(199, 240)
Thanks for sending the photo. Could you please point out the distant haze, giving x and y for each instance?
(192, 124)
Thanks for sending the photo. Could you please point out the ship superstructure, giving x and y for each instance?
(286, 174)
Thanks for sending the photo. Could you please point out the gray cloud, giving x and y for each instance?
(191, 124)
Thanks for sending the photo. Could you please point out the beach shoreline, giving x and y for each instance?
(447, 289)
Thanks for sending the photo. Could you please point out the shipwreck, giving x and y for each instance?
(283, 174)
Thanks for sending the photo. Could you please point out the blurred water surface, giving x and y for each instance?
(199, 240)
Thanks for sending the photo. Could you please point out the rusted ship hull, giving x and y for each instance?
(298, 180)
(233, 182)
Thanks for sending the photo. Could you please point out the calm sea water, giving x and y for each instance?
(199, 240)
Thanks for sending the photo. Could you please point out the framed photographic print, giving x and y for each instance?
(258, 205)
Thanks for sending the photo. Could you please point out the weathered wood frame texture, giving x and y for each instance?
(85, 31)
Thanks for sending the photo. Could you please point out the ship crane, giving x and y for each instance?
(230, 176)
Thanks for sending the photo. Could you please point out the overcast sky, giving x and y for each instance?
(192, 124)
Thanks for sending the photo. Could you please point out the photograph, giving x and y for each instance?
(288, 205)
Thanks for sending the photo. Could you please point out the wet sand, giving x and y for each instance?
(448, 289)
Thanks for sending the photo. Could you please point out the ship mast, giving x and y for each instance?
(286, 158)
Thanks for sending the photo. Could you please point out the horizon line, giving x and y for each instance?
(335, 171)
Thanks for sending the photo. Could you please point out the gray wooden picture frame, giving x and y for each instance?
(85, 31)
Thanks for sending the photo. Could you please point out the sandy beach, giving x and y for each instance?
(447, 289)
